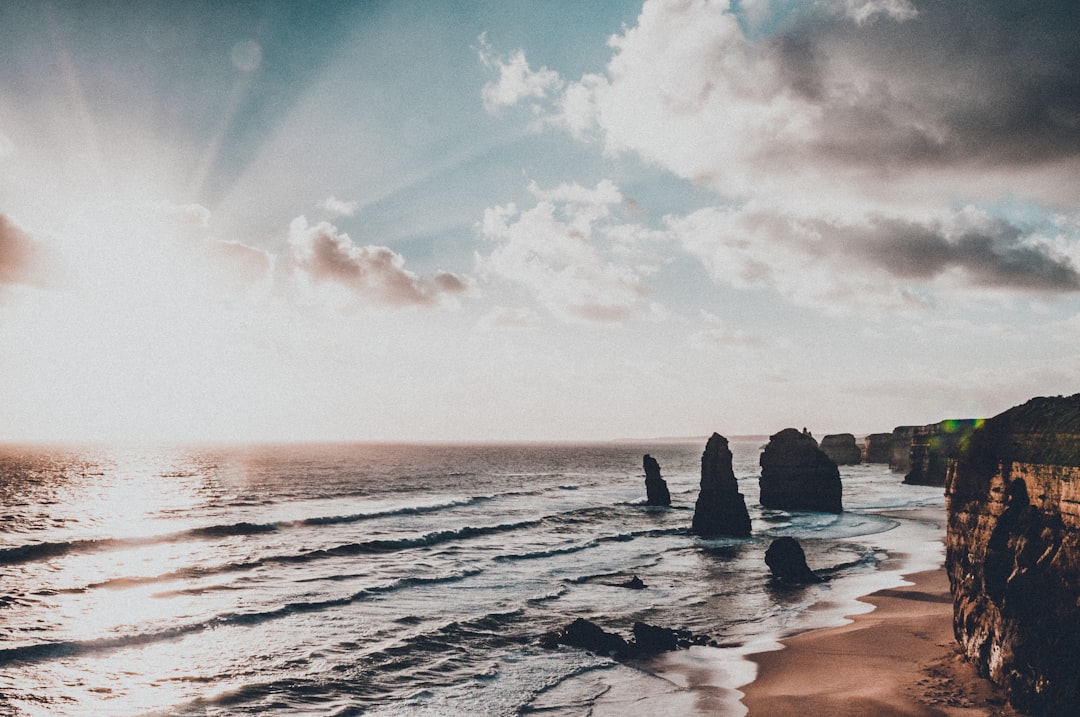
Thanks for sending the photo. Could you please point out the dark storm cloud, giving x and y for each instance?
(991, 254)
(986, 83)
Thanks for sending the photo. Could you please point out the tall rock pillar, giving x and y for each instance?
(720, 507)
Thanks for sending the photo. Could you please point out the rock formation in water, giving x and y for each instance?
(1013, 552)
(656, 490)
(648, 640)
(720, 507)
(797, 475)
(787, 561)
(878, 448)
(900, 460)
(932, 447)
(842, 449)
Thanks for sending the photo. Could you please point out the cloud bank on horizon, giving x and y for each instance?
(836, 213)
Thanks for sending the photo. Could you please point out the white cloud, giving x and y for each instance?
(561, 250)
(339, 207)
(877, 261)
(862, 11)
(375, 274)
(516, 81)
(503, 317)
(7, 147)
(726, 338)
(851, 105)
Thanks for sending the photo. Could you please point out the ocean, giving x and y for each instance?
(406, 579)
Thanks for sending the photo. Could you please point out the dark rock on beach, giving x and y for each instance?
(797, 475)
(720, 507)
(656, 490)
(587, 635)
(1013, 553)
(648, 640)
(842, 449)
(787, 561)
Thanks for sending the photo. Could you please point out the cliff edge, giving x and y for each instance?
(1013, 552)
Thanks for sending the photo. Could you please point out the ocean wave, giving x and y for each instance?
(369, 547)
(45, 551)
(45, 651)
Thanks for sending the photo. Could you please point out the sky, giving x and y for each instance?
(546, 220)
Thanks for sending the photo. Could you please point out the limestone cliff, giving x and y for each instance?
(900, 458)
(656, 490)
(933, 445)
(797, 475)
(842, 449)
(720, 507)
(1013, 552)
(878, 448)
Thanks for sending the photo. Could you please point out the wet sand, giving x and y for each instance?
(899, 659)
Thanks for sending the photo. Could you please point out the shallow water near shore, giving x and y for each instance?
(380, 579)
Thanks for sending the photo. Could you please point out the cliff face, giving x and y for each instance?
(932, 447)
(842, 449)
(720, 507)
(878, 448)
(900, 458)
(797, 475)
(1013, 552)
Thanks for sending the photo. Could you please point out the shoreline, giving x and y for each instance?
(898, 660)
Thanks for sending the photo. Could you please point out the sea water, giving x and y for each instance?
(405, 579)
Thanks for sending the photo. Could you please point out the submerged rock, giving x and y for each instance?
(1013, 552)
(842, 449)
(587, 635)
(720, 508)
(648, 640)
(787, 561)
(797, 475)
(651, 640)
(656, 490)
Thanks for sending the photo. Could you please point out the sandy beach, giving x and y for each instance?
(899, 659)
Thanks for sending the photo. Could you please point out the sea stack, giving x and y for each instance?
(842, 449)
(797, 475)
(656, 490)
(787, 562)
(720, 507)
(1013, 552)
(878, 448)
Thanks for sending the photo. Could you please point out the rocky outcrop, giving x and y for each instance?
(787, 562)
(878, 448)
(720, 507)
(933, 446)
(842, 449)
(900, 459)
(797, 475)
(648, 640)
(1013, 552)
(656, 490)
